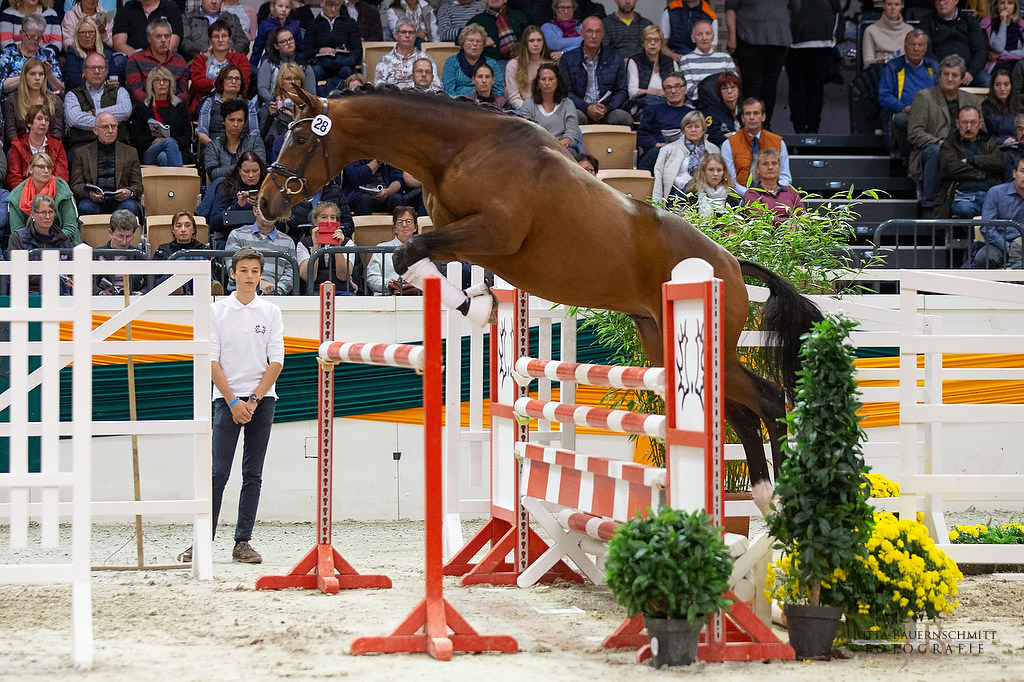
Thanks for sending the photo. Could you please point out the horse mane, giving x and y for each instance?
(421, 96)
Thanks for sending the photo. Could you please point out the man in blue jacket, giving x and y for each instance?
(596, 78)
(901, 79)
(666, 116)
(332, 46)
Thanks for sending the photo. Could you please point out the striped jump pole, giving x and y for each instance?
(426, 628)
(612, 376)
(596, 417)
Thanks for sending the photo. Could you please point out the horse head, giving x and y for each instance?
(301, 167)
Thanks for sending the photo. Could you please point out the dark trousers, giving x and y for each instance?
(807, 69)
(362, 203)
(760, 68)
(254, 452)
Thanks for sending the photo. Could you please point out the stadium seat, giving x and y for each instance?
(167, 190)
(439, 52)
(373, 50)
(638, 184)
(612, 146)
(158, 230)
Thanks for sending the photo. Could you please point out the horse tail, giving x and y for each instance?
(786, 316)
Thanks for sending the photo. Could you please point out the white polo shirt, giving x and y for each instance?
(244, 340)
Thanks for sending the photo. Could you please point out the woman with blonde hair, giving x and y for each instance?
(531, 51)
(159, 126)
(94, 10)
(712, 186)
(31, 90)
(678, 161)
(41, 180)
(279, 113)
(87, 38)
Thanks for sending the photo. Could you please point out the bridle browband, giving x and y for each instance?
(296, 176)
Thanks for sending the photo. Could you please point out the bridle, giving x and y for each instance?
(294, 182)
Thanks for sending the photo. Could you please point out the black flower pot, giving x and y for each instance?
(812, 628)
(673, 641)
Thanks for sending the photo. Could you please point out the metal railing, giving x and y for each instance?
(224, 257)
(928, 244)
(359, 251)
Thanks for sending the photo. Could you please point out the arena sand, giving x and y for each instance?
(163, 625)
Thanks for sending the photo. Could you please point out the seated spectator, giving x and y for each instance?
(235, 191)
(299, 13)
(1014, 151)
(587, 162)
(952, 32)
(333, 46)
(623, 28)
(197, 24)
(484, 84)
(131, 25)
(395, 67)
(31, 91)
(504, 27)
(381, 278)
(644, 71)
(280, 51)
(969, 163)
(159, 53)
(41, 180)
(883, 40)
(609, 79)
(1005, 33)
(677, 22)
(419, 13)
(677, 161)
(337, 268)
(452, 17)
(264, 236)
(550, 107)
(95, 96)
(742, 147)
(1001, 108)
(86, 40)
(222, 153)
(102, 20)
(183, 237)
(228, 85)
(459, 69)
(357, 80)
(14, 14)
(37, 138)
(704, 62)
(367, 17)
(902, 78)
(246, 15)
(520, 72)
(278, 19)
(115, 183)
(931, 117)
(42, 230)
(667, 116)
(207, 65)
(768, 193)
(160, 126)
(422, 75)
(1002, 244)
(563, 33)
(279, 113)
(123, 225)
(711, 187)
(16, 55)
(369, 173)
(723, 111)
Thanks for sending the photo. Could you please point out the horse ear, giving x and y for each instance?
(305, 100)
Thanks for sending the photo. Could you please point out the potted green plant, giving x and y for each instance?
(822, 518)
(674, 569)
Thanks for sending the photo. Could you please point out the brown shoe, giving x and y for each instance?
(245, 554)
(186, 556)
(216, 288)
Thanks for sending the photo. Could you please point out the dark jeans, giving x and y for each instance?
(362, 203)
(807, 69)
(760, 68)
(254, 451)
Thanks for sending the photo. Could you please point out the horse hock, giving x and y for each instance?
(478, 309)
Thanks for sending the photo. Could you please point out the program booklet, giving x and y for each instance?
(96, 188)
(158, 129)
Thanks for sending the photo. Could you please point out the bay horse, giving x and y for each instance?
(504, 194)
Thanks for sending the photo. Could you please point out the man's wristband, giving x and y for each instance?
(232, 403)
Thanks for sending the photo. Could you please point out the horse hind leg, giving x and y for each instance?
(747, 426)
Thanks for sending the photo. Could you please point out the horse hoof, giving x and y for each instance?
(481, 309)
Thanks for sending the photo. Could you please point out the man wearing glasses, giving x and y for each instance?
(105, 174)
(657, 119)
(93, 97)
(396, 67)
(159, 53)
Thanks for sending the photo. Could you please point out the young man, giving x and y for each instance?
(247, 355)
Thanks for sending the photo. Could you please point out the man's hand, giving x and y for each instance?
(266, 287)
(968, 78)
(326, 50)
(123, 194)
(241, 412)
(596, 112)
(96, 196)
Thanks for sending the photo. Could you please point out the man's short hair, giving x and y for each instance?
(246, 253)
(123, 220)
(159, 22)
(424, 59)
(702, 21)
(233, 105)
(953, 61)
(749, 102)
(915, 33)
(674, 74)
(969, 107)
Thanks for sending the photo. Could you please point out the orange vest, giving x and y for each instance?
(740, 143)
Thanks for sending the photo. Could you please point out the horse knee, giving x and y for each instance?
(407, 254)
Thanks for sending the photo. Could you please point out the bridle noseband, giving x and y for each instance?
(294, 182)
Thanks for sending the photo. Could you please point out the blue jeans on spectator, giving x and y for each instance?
(90, 207)
(968, 204)
(334, 70)
(929, 173)
(254, 452)
(163, 152)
